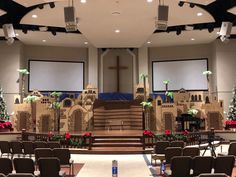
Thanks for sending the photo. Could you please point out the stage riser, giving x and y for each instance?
(114, 118)
(117, 145)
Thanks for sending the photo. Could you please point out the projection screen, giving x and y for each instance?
(56, 76)
(185, 74)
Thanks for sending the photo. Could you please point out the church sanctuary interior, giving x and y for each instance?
(108, 88)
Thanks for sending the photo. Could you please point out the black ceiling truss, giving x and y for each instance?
(15, 12)
(217, 9)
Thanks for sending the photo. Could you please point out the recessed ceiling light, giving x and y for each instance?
(149, 0)
(192, 39)
(86, 43)
(149, 42)
(199, 14)
(17, 34)
(34, 16)
(83, 1)
(44, 40)
(117, 31)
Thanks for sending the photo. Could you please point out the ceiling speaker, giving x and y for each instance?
(70, 18)
(162, 19)
(8, 31)
(225, 29)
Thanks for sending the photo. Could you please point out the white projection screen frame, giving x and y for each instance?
(64, 76)
(186, 74)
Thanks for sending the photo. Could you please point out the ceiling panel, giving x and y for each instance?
(2, 12)
(232, 10)
(136, 20)
(61, 39)
(171, 39)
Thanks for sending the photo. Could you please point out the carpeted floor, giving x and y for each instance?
(128, 165)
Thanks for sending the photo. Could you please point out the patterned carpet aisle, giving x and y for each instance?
(100, 165)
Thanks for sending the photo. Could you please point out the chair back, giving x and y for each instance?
(16, 147)
(2, 175)
(43, 152)
(49, 167)
(5, 147)
(180, 166)
(20, 175)
(53, 144)
(28, 166)
(40, 144)
(224, 164)
(6, 166)
(202, 164)
(160, 147)
(232, 149)
(63, 155)
(28, 147)
(212, 175)
(191, 151)
(177, 144)
(171, 152)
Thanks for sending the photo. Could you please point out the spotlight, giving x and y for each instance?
(24, 30)
(191, 5)
(41, 6)
(181, 3)
(210, 28)
(52, 4)
(178, 31)
(54, 33)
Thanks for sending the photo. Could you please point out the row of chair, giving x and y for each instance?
(161, 153)
(25, 147)
(62, 154)
(48, 167)
(187, 166)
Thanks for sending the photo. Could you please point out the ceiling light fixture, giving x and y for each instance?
(34, 16)
(181, 3)
(83, 1)
(85, 42)
(192, 39)
(117, 31)
(41, 6)
(199, 14)
(191, 5)
(149, 42)
(24, 30)
(17, 34)
(210, 28)
(178, 31)
(44, 40)
(52, 4)
(149, 0)
(54, 33)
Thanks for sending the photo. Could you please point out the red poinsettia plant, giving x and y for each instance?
(87, 134)
(167, 132)
(148, 133)
(67, 136)
(6, 125)
(230, 124)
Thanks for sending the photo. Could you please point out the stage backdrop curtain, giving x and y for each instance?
(115, 96)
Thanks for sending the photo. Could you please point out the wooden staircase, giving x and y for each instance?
(117, 145)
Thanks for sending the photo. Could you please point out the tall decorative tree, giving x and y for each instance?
(232, 106)
(3, 107)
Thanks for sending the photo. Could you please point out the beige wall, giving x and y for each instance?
(56, 53)
(226, 70)
(180, 52)
(110, 75)
(10, 57)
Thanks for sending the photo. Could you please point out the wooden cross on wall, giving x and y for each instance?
(118, 68)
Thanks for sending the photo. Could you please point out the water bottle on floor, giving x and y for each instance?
(114, 168)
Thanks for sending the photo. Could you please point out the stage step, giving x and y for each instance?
(117, 141)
